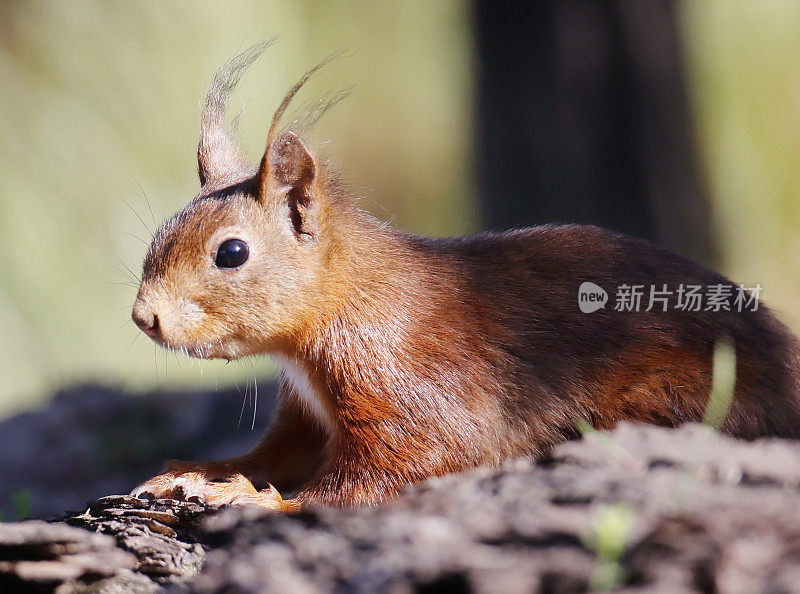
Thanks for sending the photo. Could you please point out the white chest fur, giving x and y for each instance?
(296, 375)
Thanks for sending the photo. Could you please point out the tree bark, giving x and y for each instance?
(583, 117)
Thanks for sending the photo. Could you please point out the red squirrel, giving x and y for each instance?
(407, 357)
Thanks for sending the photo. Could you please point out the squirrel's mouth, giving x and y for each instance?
(176, 340)
(206, 350)
(215, 350)
(190, 340)
(218, 349)
(199, 352)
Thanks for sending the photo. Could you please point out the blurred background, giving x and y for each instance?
(676, 121)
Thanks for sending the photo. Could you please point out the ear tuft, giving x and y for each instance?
(217, 153)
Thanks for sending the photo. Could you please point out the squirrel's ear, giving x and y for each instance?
(287, 166)
(288, 170)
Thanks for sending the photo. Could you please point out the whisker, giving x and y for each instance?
(146, 200)
(241, 413)
(136, 237)
(141, 220)
(132, 275)
(255, 402)
(126, 272)
(123, 284)
(137, 338)
(136, 279)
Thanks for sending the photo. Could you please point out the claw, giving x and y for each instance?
(268, 498)
(140, 493)
(205, 485)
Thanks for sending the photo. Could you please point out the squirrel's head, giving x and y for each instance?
(240, 268)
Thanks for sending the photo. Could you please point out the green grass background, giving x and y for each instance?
(99, 108)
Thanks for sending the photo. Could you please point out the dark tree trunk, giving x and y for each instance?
(583, 117)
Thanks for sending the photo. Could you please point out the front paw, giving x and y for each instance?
(210, 483)
(268, 498)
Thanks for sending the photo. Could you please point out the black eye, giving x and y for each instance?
(232, 253)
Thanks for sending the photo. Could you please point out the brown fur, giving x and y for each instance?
(427, 356)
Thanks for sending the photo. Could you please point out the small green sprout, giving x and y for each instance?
(608, 537)
(723, 382)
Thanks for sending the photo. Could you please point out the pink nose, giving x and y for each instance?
(144, 317)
